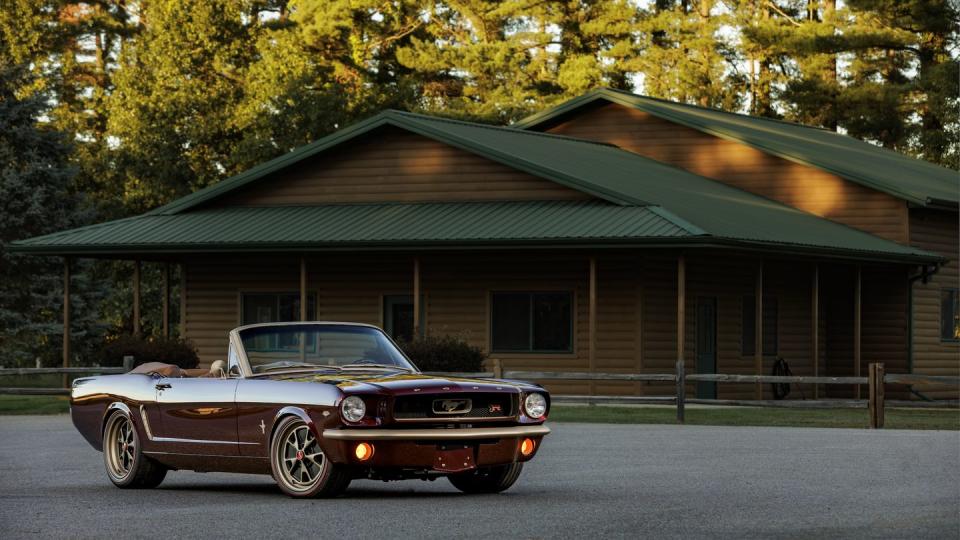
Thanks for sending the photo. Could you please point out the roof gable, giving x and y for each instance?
(489, 147)
(914, 180)
(389, 164)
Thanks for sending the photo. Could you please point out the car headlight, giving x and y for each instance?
(535, 405)
(353, 408)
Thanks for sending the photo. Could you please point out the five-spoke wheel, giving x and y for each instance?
(126, 464)
(298, 463)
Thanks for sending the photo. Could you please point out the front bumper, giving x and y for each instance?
(433, 449)
(464, 434)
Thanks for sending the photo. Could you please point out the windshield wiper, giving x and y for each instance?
(288, 365)
(362, 365)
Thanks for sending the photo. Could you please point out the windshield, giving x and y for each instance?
(309, 346)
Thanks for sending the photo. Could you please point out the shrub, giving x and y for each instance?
(445, 353)
(169, 351)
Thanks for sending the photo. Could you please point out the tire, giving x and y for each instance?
(299, 465)
(487, 480)
(127, 466)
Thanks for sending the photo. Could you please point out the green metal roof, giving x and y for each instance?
(370, 225)
(914, 180)
(404, 225)
(627, 186)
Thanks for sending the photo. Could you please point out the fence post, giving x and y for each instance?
(876, 403)
(497, 369)
(681, 391)
(880, 372)
(127, 363)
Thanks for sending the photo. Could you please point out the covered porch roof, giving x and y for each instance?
(478, 225)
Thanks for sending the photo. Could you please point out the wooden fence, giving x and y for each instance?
(876, 380)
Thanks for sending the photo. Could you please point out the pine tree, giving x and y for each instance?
(684, 57)
(36, 198)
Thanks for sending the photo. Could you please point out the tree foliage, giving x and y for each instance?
(158, 98)
(36, 198)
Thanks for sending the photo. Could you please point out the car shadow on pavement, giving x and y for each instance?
(358, 492)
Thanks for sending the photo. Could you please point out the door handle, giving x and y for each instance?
(163, 386)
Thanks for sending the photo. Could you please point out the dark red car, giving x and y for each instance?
(316, 405)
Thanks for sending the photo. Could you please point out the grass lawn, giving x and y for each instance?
(34, 404)
(755, 416)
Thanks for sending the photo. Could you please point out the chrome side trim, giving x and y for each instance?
(197, 441)
(438, 434)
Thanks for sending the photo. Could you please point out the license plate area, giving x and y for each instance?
(454, 458)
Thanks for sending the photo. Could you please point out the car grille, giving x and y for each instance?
(482, 405)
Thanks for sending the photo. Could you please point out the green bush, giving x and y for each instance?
(169, 351)
(445, 353)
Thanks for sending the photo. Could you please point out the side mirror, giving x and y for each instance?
(234, 371)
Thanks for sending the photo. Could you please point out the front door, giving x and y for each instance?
(398, 316)
(706, 345)
(197, 416)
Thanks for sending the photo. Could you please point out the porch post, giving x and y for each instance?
(681, 310)
(857, 324)
(166, 301)
(416, 297)
(136, 298)
(66, 316)
(303, 288)
(758, 330)
(592, 322)
(183, 300)
(303, 307)
(815, 326)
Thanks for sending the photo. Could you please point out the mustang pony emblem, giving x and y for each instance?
(451, 406)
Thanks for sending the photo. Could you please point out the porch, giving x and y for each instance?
(612, 310)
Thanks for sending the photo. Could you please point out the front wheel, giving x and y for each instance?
(488, 479)
(127, 466)
(299, 465)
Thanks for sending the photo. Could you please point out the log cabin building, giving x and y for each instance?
(613, 233)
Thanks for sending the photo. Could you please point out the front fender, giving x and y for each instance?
(292, 410)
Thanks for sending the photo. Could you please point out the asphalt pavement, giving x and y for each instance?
(589, 481)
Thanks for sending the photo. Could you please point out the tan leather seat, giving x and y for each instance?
(218, 369)
(158, 368)
(169, 370)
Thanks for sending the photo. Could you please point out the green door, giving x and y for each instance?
(398, 316)
(706, 345)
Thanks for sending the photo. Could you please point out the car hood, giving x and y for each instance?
(411, 383)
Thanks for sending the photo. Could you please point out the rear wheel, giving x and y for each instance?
(127, 466)
(488, 479)
(299, 465)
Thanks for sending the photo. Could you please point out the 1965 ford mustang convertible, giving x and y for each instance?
(316, 405)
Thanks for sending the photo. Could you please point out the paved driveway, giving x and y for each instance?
(588, 481)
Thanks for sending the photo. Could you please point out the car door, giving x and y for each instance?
(197, 416)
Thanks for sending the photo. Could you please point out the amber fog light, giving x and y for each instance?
(527, 447)
(364, 451)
